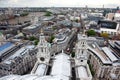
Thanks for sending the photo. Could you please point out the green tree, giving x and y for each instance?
(48, 13)
(51, 39)
(54, 27)
(91, 69)
(32, 38)
(36, 42)
(76, 20)
(73, 54)
(91, 33)
(24, 14)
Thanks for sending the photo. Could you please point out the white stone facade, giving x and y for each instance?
(43, 55)
(81, 66)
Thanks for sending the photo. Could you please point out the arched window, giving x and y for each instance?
(41, 49)
(82, 51)
(81, 60)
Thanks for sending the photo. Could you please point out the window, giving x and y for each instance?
(81, 60)
(82, 51)
(45, 50)
(41, 49)
(83, 42)
(83, 45)
(42, 58)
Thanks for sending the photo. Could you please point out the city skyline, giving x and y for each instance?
(59, 3)
(59, 40)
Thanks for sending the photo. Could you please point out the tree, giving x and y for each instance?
(32, 38)
(36, 42)
(24, 14)
(51, 39)
(105, 12)
(54, 27)
(91, 33)
(73, 54)
(91, 69)
(48, 13)
(105, 35)
(76, 20)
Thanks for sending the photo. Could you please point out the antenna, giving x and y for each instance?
(103, 6)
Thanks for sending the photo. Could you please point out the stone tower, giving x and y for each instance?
(43, 54)
(81, 50)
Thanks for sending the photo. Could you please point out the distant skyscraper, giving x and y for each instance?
(117, 7)
(103, 6)
(86, 7)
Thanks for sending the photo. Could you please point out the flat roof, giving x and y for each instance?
(109, 54)
(5, 47)
(111, 43)
(27, 77)
(52, 78)
(10, 77)
(20, 52)
(34, 77)
(82, 72)
(48, 18)
(117, 42)
(61, 70)
(31, 27)
(41, 69)
(107, 24)
(100, 55)
(61, 65)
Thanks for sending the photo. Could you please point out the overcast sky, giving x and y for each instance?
(59, 3)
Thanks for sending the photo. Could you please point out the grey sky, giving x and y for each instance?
(59, 3)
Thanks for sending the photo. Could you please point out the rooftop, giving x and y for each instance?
(61, 70)
(41, 69)
(19, 53)
(32, 26)
(98, 53)
(109, 54)
(5, 47)
(117, 42)
(48, 18)
(82, 72)
(61, 65)
(108, 24)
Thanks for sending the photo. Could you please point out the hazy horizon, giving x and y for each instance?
(60, 3)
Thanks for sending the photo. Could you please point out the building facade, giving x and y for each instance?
(81, 58)
(43, 56)
(20, 62)
(104, 63)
